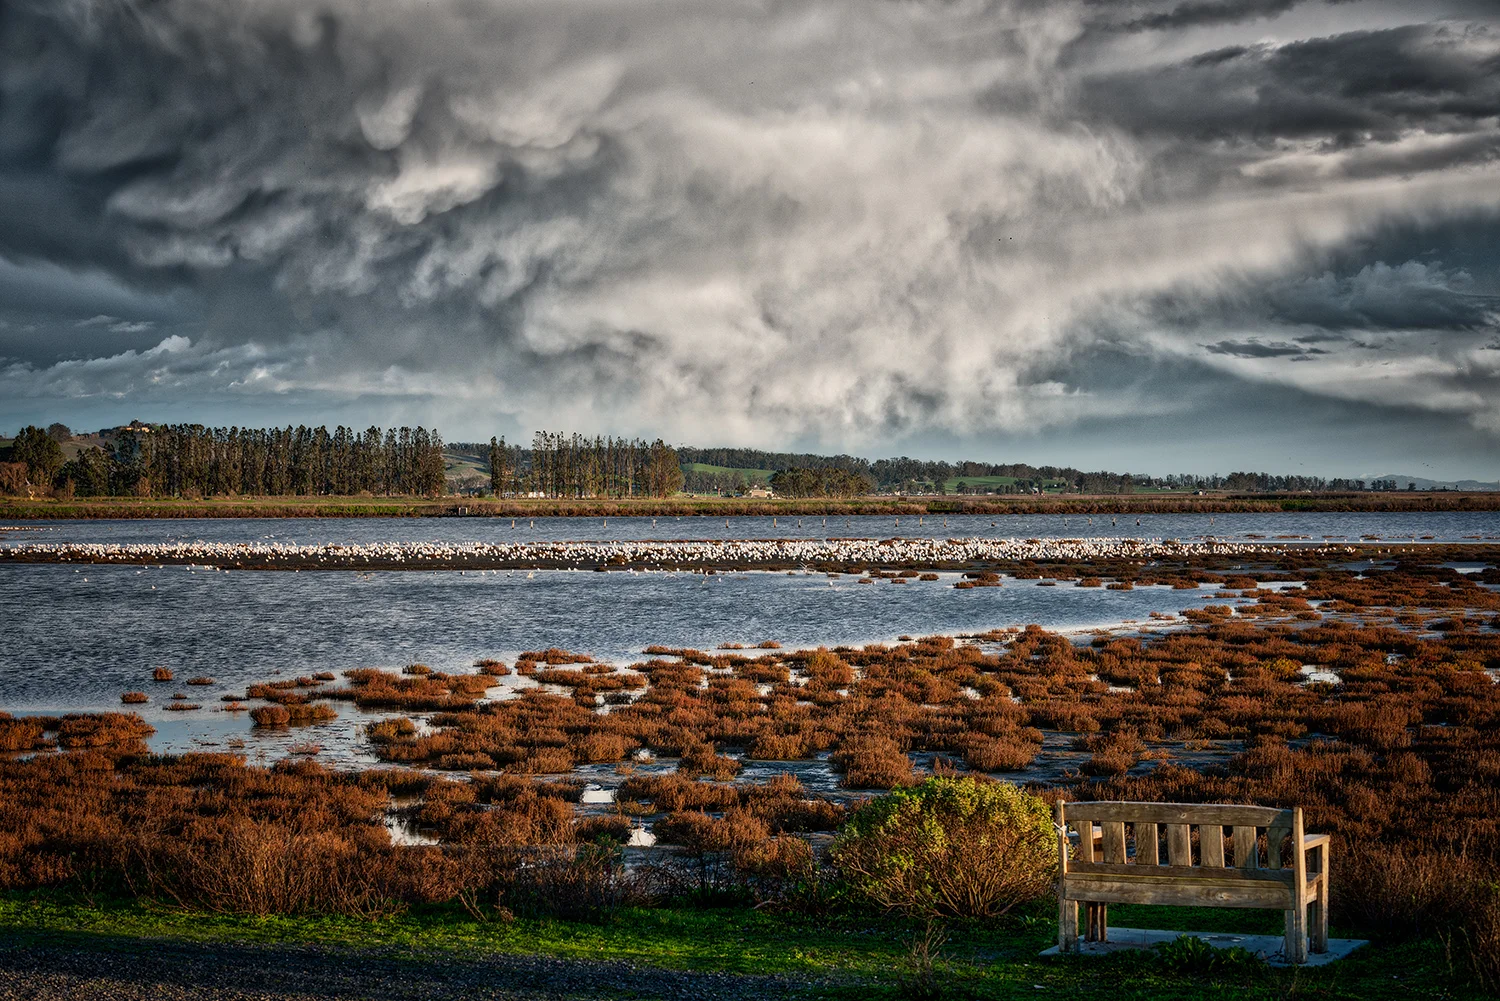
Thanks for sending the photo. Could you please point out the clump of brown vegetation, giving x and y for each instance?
(207, 831)
(978, 578)
(116, 732)
(26, 733)
(270, 716)
(134, 698)
(162, 674)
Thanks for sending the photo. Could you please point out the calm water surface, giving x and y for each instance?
(77, 637)
(74, 638)
(1443, 527)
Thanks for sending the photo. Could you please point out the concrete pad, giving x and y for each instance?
(1267, 947)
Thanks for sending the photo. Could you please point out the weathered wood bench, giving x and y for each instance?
(1118, 859)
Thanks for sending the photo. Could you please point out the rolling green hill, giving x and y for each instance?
(750, 475)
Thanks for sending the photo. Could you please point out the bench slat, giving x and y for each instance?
(1211, 845)
(1224, 815)
(1084, 850)
(1246, 850)
(1147, 852)
(1179, 845)
(1195, 873)
(1114, 841)
(1251, 893)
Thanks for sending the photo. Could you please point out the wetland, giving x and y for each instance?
(570, 742)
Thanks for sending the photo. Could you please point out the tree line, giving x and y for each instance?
(905, 474)
(190, 460)
(560, 464)
(826, 482)
(186, 460)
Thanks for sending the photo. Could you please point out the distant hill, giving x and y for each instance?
(1425, 484)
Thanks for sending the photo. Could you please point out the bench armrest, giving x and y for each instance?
(1311, 841)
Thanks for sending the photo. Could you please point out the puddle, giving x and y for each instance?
(1314, 673)
(594, 794)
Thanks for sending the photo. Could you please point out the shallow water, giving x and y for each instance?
(74, 638)
(77, 637)
(1312, 526)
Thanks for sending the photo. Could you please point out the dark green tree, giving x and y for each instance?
(42, 455)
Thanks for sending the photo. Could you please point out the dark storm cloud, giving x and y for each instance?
(1339, 94)
(1255, 349)
(1412, 295)
(1409, 296)
(1201, 12)
(760, 221)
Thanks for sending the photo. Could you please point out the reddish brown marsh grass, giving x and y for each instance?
(873, 762)
(162, 674)
(317, 712)
(26, 733)
(271, 716)
(553, 656)
(700, 761)
(134, 698)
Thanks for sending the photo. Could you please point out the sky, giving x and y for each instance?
(1176, 236)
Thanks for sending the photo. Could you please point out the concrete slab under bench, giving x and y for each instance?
(1267, 947)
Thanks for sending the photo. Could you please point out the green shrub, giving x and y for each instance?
(950, 846)
(1195, 957)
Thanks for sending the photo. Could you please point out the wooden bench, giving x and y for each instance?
(1270, 863)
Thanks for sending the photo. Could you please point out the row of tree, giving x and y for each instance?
(905, 474)
(575, 465)
(186, 460)
(826, 482)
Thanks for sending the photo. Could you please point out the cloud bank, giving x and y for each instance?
(844, 222)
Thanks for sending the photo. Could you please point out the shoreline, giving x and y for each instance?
(835, 556)
(450, 507)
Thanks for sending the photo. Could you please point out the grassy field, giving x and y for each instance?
(468, 469)
(752, 476)
(842, 956)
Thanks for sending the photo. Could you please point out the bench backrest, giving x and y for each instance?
(1161, 835)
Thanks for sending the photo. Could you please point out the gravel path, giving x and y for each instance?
(143, 970)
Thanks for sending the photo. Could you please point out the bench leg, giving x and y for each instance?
(1097, 918)
(1318, 920)
(1294, 946)
(1067, 925)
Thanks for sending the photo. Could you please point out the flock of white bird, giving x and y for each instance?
(665, 554)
